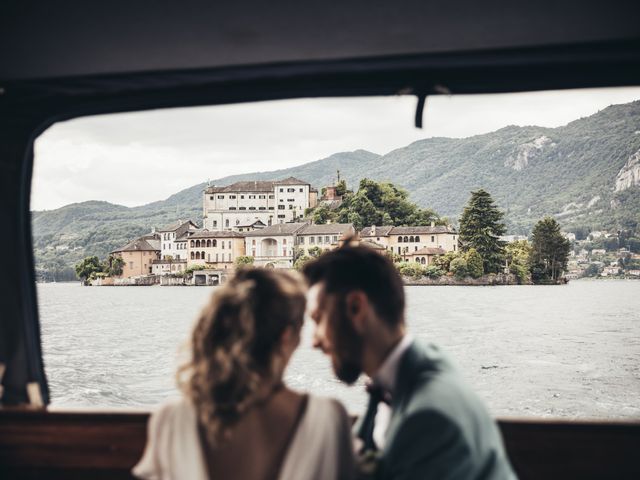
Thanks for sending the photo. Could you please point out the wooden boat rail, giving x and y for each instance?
(100, 445)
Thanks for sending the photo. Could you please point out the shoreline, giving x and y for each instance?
(493, 279)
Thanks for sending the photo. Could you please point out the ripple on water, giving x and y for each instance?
(570, 351)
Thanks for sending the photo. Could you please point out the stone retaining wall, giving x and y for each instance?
(491, 279)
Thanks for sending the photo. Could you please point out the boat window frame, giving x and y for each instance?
(38, 104)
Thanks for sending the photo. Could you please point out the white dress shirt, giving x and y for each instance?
(386, 377)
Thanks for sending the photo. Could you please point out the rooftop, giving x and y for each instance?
(382, 231)
(216, 234)
(329, 228)
(278, 229)
(429, 251)
(373, 244)
(254, 186)
(180, 227)
(252, 223)
(141, 244)
(386, 230)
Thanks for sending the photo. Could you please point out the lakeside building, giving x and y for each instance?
(173, 239)
(406, 241)
(425, 256)
(330, 198)
(250, 227)
(273, 246)
(216, 249)
(138, 256)
(326, 237)
(270, 202)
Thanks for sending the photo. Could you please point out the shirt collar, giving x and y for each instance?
(387, 374)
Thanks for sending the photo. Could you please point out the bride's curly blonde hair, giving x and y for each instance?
(233, 345)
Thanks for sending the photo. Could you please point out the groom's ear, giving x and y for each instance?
(357, 304)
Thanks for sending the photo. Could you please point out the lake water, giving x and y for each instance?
(569, 351)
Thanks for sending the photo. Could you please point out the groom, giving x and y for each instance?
(434, 426)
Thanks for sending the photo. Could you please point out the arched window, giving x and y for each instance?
(399, 239)
(193, 244)
(193, 255)
(418, 259)
(284, 241)
(417, 238)
(229, 245)
(197, 243)
(226, 223)
(197, 255)
(411, 239)
(215, 242)
(202, 254)
(423, 260)
(406, 239)
(208, 243)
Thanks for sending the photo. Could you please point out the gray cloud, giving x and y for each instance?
(136, 158)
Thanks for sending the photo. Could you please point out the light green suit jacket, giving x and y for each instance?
(439, 428)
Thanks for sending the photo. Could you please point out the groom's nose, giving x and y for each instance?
(319, 337)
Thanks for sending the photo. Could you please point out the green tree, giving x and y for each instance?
(243, 261)
(381, 203)
(314, 252)
(301, 261)
(474, 263)
(87, 268)
(410, 269)
(341, 187)
(114, 266)
(633, 244)
(481, 227)
(459, 267)
(549, 251)
(592, 270)
(443, 262)
(322, 214)
(518, 256)
(432, 271)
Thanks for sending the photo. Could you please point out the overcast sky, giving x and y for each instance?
(136, 158)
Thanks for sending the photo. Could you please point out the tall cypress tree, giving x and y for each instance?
(480, 228)
(550, 251)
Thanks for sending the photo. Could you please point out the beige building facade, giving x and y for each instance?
(214, 249)
(325, 237)
(273, 246)
(406, 241)
(425, 256)
(138, 256)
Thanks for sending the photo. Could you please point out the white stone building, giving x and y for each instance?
(406, 241)
(173, 239)
(325, 237)
(243, 203)
(273, 246)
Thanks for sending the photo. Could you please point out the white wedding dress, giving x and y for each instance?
(320, 449)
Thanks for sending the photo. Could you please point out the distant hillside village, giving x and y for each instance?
(263, 223)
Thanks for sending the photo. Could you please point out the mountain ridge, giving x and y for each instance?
(570, 172)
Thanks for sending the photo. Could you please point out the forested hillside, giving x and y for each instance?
(585, 173)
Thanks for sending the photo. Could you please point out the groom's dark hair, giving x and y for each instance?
(353, 267)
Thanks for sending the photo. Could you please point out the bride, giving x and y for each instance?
(237, 419)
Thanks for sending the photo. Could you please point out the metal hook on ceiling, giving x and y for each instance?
(422, 99)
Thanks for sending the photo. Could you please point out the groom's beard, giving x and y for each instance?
(347, 346)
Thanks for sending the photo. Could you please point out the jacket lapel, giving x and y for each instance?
(413, 363)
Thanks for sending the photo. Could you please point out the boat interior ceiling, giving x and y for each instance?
(60, 60)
